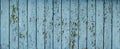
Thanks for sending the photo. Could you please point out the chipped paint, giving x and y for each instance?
(60, 24)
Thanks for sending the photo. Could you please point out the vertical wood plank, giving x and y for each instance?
(99, 24)
(4, 24)
(14, 24)
(74, 25)
(91, 25)
(57, 24)
(32, 24)
(116, 24)
(23, 24)
(65, 24)
(40, 25)
(0, 24)
(49, 25)
(82, 23)
(60, 24)
(107, 24)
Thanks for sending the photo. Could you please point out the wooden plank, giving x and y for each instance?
(32, 24)
(65, 24)
(57, 24)
(14, 24)
(23, 30)
(49, 26)
(60, 24)
(83, 24)
(91, 37)
(116, 25)
(4, 24)
(0, 24)
(107, 24)
(99, 24)
(74, 25)
(40, 24)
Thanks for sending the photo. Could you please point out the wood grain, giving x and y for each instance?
(59, 24)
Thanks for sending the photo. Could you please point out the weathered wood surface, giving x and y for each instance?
(23, 24)
(14, 24)
(59, 24)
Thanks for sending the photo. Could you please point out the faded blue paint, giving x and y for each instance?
(65, 24)
(32, 30)
(57, 24)
(82, 24)
(23, 28)
(99, 25)
(13, 22)
(91, 33)
(60, 24)
(40, 27)
(4, 24)
(107, 24)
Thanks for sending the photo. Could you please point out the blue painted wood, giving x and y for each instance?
(48, 24)
(74, 24)
(57, 24)
(65, 24)
(40, 24)
(82, 24)
(14, 24)
(4, 24)
(99, 24)
(60, 24)
(91, 36)
(107, 24)
(23, 26)
(116, 25)
(32, 24)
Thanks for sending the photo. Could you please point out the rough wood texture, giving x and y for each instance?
(48, 23)
(40, 27)
(65, 24)
(14, 20)
(23, 29)
(82, 24)
(4, 24)
(91, 36)
(99, 24)
(107, 24)
(116, 25)
(59, 24)
(32, 29)
(74, 18)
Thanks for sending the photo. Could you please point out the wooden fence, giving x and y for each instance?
(59, 24)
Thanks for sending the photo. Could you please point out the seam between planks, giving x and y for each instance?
(9, 24)
(53, 24)
(0, 25)
(36, 24)
(44, 25)
(70, 25)
(95, 24)
(78, 24)
(61, 23)
(111, 23)
(103, 22)
(87, 26)
(27, 24)
(18, 23)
